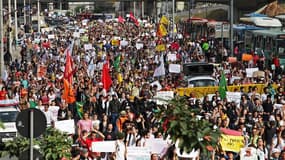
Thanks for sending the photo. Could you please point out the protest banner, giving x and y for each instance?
(174, 68)
(65, 126)
(232, 143)
(138, 153)
(163, 96)
(103, 146)
(203, 91)
(156, 145)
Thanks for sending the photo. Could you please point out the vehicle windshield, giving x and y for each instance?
(9, 116)
(202, 83)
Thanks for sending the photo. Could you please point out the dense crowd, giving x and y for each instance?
(125, 110)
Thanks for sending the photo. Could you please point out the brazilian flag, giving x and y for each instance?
(79, 109)
(117, 63)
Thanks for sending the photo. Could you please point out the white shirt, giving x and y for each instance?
(121, 149)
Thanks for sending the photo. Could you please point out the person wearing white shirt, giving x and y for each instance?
(48, 114)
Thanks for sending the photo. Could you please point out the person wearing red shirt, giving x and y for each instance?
(95, 136)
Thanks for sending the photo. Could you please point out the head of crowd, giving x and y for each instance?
(121, 105)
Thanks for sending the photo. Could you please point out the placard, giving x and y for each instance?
(232, 143)
(65, 126)
(171, 57)
(163, 96)
(250, 71)
(234, 97)
(88, 46)
(139, 45)
(156, 145)
(138, 153)
(51, 36)
(76, 34)
(174, 68)
(103, 146)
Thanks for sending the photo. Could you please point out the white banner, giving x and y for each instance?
(65, 126)
(174, 68)
(103, 146)
(156, 145)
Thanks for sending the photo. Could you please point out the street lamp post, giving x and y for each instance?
(39, 24)
(9, 25)
(231, 27)
(173, 17)
(16, 21)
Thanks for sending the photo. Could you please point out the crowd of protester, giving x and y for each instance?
(125, 112)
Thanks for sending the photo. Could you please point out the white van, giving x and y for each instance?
(8, 113)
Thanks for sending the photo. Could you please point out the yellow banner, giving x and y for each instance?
(232, 143)
(203, 91)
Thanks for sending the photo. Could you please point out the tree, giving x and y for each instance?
(53, 145)
(179, 122)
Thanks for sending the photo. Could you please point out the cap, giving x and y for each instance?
(123, 113)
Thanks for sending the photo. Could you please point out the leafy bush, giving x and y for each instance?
(53, 145)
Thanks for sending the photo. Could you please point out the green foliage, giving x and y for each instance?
(53, 145)
(2, 125)
(180, 122)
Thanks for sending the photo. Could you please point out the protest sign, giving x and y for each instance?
(171, 57)
(232, 143)
(51, 36)
(139, 45)
(156, 145)
(138, 153)
(76, 34)
(234, 97)
(65, 126)
(250, 153)
(250, 71)
(103, 146)
(174, 68)
(163, 96)
(88, 46)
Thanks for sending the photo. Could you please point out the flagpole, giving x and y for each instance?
(143, 8)
(10, 25)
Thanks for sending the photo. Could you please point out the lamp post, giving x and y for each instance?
(16, 21)
(9, 25)
(173, 17)
(39, 24)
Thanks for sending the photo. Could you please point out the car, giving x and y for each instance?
(8, 113)
(199, 74)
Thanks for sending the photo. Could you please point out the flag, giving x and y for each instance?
(121, 19)
(106, 78)
(117, 63)
(161, 30)
(164, 20)
(160, 70)
(160, 47)
(133, 18)
(223, 86)
(68, 94)
(68, 71)
(79, 109)
(120, 77)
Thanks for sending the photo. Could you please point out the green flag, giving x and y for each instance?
(117, 63)
(223, 86)
(79, 109)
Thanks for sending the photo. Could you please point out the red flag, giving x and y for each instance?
(175, 46)
(68, 71)
(133, 18)
(121, 19)
(106, 78)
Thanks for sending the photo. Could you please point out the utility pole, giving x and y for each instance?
(1, 38)
(173, 17)
(25, 20)
(39, 21)
(231, 27)
(16, 22)
(142, 8)
(10, 26)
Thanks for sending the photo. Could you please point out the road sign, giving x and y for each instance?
(23, 122)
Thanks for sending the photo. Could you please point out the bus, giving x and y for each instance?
(270, 42)
(265, 22)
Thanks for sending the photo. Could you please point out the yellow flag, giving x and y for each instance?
(160, 47)
(120, 77)
(162, 30)
(115, 42)
(164, 20)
